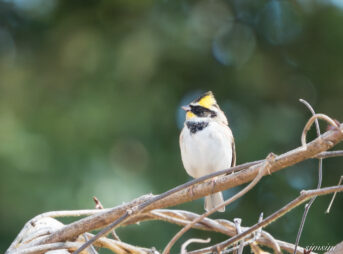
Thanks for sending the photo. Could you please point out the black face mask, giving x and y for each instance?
(202, 112)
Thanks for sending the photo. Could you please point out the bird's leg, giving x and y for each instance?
(192, 191)
(213, 183)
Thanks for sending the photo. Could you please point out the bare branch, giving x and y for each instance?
(238, 222)
(304, 196)
(193, 240)
(258, 233)
(275, 244)
(46, 247)
(99, 206)
(236, 248)
(320, 177)
(113, 245)
(256, 249)
(324, 155)
(91, 248)
(308, 105)
(265, 168)
(333, 196)
(336, 249)
(52, 214)
(226, 227)
(310, 122)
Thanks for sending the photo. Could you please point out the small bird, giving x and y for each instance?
(206, 142)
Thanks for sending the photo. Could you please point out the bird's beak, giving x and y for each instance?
(186, 108)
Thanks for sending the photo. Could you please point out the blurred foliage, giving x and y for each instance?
(90, 93)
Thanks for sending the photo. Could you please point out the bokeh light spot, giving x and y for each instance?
(235, 46)
(208, 16)
(247, 10)
(279, 23)
(34, 7)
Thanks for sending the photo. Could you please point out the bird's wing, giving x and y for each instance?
(233, 163)
(228, 134)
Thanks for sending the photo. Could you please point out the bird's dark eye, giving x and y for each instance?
(198, 110)
(202, 111)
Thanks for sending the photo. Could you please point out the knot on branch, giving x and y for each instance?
(133, 210)
(269, 162)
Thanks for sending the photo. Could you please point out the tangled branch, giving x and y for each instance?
(304, 196)
(265, 168)
(148, 207)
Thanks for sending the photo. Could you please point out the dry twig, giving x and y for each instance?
(99, 206)
(220, 225)
(238, 222)
(304, 196)
(320, 176)
(333, 196)
(312, 120)
(193, 240)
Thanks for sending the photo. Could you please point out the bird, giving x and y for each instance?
(206, 142)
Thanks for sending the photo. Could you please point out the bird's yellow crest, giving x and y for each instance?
(207, 100)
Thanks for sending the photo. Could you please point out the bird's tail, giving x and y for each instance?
(214, 200)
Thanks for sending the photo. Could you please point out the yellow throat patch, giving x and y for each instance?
(189, 115)
(207, 100)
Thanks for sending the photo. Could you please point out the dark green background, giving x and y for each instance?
(90, 96)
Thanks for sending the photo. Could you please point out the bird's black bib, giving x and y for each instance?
(194, 127)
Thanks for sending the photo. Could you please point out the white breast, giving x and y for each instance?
(206, 151)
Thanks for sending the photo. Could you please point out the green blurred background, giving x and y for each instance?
(90, 96)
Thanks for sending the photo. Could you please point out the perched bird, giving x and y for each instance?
(206, 142)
